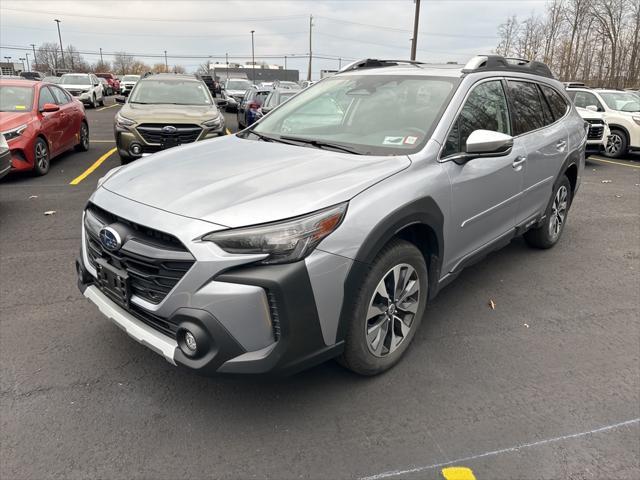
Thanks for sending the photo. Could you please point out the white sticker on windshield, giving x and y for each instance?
(393, 140)
(410, 140)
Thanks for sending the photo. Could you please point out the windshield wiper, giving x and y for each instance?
(267, 138)
(322, 144)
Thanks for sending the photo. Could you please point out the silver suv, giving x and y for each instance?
(324, 229)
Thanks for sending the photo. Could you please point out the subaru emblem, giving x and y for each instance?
(110, 239)
(170, 129)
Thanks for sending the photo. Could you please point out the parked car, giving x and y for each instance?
(106, 88)
(127, 83)
(599, 133)
(286, 85)
(37, 76)
(266, 85)
(275, 98)
(114, 82)
(51, 79)
(231, 103)
(621, 111)
(306, 83)
(5, 157)
(86, 87)
(248, 109)
(39, 121)
(164, 111)
(236, 88)
(278, 248)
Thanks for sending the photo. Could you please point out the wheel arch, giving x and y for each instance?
(420, 222)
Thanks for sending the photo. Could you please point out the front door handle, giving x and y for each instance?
(518, 162)
(561, 145)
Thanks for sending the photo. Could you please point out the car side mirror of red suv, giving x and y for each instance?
(49, 107)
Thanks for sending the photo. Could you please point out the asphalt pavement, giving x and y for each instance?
(544, 386)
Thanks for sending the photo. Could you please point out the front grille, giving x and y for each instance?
(275, 315)
(152, 133)
(75, 93)
(154, 261)
(595, 132)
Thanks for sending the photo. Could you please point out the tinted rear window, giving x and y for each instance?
(556, 101)
(527, 114)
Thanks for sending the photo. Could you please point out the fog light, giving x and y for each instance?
(190, 341)
(136, 149)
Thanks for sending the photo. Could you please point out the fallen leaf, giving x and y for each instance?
(50, 212)
(492, 304)
(618, 196)
(526, 325)
(606, 181)
(33, 196)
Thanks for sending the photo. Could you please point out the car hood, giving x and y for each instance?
(236, 182)
(586, 113)
(9, 120)
(236, 93)
(71, 86)
(169, 113)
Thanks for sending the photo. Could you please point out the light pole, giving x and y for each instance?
(416, 21)
(22, 59)
(60, 38)
(28, 67)
(35, 59)
(253, 59)
(166, 62)
(101, 60)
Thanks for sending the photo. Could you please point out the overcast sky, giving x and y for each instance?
(450, 30)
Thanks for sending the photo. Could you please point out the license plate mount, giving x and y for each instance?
(114, 282)
(169, 142)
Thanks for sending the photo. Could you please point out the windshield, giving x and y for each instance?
(176, 92)
(372, 114)
(75, 80)
(238, 85)
(51, 79)
(16, 99)
(622, 101)
(131, 78)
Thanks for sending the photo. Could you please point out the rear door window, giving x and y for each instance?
(526, 108)
(485, 109)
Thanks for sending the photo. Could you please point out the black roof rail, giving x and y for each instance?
(481, 63)
(376, 63)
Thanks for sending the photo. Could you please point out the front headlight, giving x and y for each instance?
(284, 242)
(213, 123)
(123, 121)
(14, 132)
(636, 119)
(4, 146)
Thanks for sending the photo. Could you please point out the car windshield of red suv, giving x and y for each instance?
(16, 99)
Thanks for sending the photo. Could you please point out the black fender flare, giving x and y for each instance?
(423, 211)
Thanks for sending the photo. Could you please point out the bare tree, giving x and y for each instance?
(508, 33)
(179, 69)
(122, 63)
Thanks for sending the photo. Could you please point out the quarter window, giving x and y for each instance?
(485, 109)
(527, 111)
(556, 101)
(45, 97)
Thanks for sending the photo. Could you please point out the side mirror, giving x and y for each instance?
(49, 107)
(593, 108)
(120, 99)
(486, 143)
(265, 110)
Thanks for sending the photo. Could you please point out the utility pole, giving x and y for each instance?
(101, 60)
(35, 60)
(226, 59)
(416, 21)
(253, 60)
(166, 62)
(285, 62)
(22, 59)
(310, 49)
(339, 63)
(28, 67)
(60, 38)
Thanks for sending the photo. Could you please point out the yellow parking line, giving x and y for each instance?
(110, 106)
(227, 131)
(458, 473)
(95, 165)
(611, 161)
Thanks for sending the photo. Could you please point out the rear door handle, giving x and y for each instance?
(518, 162)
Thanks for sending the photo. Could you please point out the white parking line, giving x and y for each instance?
(110, 106)
(395, 473)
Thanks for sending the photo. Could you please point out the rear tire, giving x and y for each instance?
(83, 145)
(617, 144)
(548, 234)
(42, 158)
(387, 309)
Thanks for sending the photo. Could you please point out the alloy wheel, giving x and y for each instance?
(84, 136)
(614, 144)
(558, 212)
(392, 310)
(42, 156)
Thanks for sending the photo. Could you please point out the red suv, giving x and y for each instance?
(112, 80)
(40, 120)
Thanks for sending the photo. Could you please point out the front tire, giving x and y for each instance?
(42, 160)
(617, 144)
(102, 101)
(548, 234)
(387, 309)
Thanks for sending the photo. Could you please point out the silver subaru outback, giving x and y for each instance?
(324, 229)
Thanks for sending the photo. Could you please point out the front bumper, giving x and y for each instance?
(5, 163)
(250, 319)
